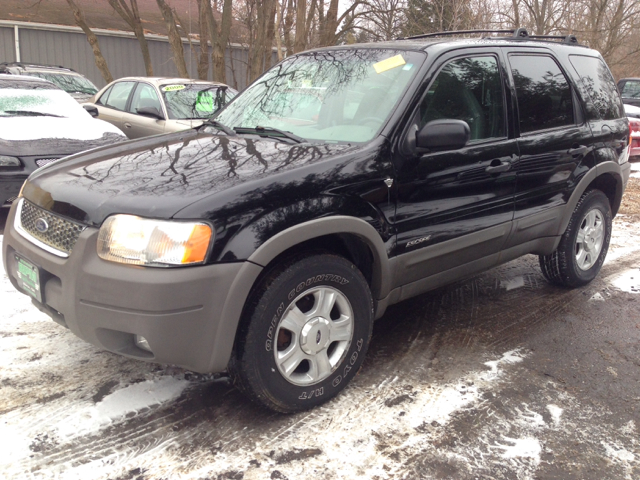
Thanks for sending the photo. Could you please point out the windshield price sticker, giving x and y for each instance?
(173, 88)
(389, 63)
(28, 278)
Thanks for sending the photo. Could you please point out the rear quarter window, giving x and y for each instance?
(597, 82)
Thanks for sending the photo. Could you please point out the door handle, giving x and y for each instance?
(498, 166)
(127, 124)
(579, 150)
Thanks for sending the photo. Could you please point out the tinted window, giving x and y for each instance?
(543, 92)
(119, 95)
(145, 96)
(599, 85)
(468, 89)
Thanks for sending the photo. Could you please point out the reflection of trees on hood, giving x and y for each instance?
(194, 167)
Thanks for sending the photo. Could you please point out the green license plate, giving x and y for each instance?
(28, 277)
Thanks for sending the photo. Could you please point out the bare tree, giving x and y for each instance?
(174, 38)
(203, 58)
(131, 15)
(101, 63)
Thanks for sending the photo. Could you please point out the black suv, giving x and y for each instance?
(342, 181)
(72, 82)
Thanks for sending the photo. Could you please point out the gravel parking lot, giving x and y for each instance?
(501, 376)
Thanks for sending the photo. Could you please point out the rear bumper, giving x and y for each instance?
(188, 315)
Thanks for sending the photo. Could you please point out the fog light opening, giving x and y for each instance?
(142, 343)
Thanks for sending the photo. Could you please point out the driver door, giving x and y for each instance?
(455, 207)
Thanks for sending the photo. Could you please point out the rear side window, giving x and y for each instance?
(599, 85)
(543, 92)
(119, 95)
(631, 89)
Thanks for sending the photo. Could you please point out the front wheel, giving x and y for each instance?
(584, 245)
(304, 333)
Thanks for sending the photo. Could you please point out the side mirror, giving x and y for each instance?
(93, 111)
(150, 112)
(443, 134)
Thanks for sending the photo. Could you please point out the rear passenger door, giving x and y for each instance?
(555, 142)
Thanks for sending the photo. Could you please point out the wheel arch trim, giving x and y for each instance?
(282, 241)
(592, 175)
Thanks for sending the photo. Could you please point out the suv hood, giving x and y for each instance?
(159, 176)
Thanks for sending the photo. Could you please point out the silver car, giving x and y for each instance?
(143, 106)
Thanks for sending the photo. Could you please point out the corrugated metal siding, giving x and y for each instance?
(7, 47)
(122, 54)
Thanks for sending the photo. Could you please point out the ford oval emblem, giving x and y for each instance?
(42, 225)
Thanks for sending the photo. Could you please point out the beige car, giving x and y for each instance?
(143, 106)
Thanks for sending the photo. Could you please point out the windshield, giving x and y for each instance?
(195, 100)
(343, 95)
(69, 83)
(28, 99)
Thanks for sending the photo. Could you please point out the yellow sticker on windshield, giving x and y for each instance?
(171, 88)
(389, 63)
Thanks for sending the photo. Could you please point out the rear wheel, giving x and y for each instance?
(584, 245)
(304, 333)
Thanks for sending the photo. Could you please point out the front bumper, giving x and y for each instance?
(188, 315)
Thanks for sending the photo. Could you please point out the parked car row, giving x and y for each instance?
(40, 122)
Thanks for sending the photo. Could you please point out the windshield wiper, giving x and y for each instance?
(266, 131)
(29, 113)
(221, 126)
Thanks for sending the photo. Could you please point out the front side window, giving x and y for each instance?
(332, 96)
(543, 92)
(468, 89)
(119, 95)
(600, 86)
(144, 96)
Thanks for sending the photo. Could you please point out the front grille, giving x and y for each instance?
(41, 162)
(61, 234)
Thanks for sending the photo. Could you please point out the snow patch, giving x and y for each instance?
(38, 128)
(628, 281)
(513, 283)
(629, 428)
(620, 454)
(117, 405)
(556, 413)
(597, 298)
(510, 357)
(521, 447)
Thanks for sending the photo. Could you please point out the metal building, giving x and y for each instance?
(68, 46)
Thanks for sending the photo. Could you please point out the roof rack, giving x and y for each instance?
(516, 34)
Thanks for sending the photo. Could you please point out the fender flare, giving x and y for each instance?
(603, 168)
(381, 273)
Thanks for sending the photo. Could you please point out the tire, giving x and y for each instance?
(584, 245)
(304, 333)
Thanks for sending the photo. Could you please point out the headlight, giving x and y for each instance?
(10, 162)
(140, 241)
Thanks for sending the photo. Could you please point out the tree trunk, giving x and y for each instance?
(219, 38)
(263, 41)
(132, 17)
(101, 63)
(330, 25)
(277, 30)
(203, 60)
(174, 39)
(300, 42)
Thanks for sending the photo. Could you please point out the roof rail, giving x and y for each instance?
(517, 34)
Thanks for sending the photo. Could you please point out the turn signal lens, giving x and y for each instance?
(140, 241)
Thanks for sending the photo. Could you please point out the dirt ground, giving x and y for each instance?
(501, 376)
